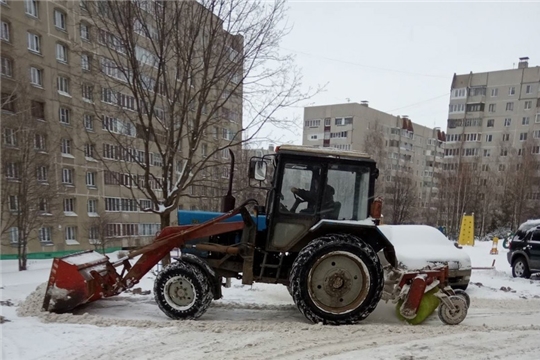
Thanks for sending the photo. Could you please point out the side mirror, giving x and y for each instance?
(257, 169)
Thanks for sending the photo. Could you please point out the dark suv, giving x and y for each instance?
(524, 249)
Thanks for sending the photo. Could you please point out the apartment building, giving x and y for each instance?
(494, 116)
(401, 147)
(491, 106)
(50, 51)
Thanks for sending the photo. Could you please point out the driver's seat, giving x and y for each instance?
(332, 212)
(334, 215)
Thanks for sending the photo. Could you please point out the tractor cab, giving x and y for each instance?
(312, 186)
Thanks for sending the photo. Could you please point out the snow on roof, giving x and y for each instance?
(529, 224)
(324, 151)
(418, 246)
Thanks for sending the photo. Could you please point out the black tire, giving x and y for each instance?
(522, 270)
(195, 288)
(464, 295)
(460, 287)
(351, 249)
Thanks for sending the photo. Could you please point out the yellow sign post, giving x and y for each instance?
(494, 250)
(466, 232)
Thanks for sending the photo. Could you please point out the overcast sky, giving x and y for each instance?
(401, 56)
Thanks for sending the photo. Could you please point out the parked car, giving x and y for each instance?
(421, 246)
(524, 250)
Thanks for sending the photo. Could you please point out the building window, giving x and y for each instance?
(14, 235)
(506, 137)
(65, 146)
(61, 53)
(507, 122)
(88, 122)
(42, 174)
(457, 108)
(489, 138)
(7, 67)
(12, 171)
(108, 96)
(39, 142)
(502, 167)
(343, 121)
(88, 92)
(60, 19)
(5, 31)
(459, 92)
(92, 206)
(91, 179)
(525, 121)
(312, 123)
(8, 102)
(64, 115)
(523, 137)
(13, 203)
(89, 150)
(512, 90)
(36, 76)
(528, 89)
(528, 105)
(31, 7)
(509, 106)
(487, 152)
(85, 31)
(69, 205)
(491, 123)
(494, 92)
(492, 107)
(34, 43)
(43, 206)
(44, 234)
(63, 85)
(38, 110)
(10, 137)
(85, 62)
(71, 234)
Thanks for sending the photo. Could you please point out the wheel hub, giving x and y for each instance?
(180, 292)
(338, 282)
(519, 268)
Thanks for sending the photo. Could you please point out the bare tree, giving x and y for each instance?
(98, 229)
(520, 181)
(402, 193)
(177, 73)
(28, 192)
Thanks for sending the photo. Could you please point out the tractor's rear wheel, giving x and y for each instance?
(336, 279)
(182, 291)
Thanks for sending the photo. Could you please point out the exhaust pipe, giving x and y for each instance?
(229, 201)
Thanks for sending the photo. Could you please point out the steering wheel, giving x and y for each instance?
(299, 198)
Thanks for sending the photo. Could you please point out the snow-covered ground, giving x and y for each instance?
(261, 322)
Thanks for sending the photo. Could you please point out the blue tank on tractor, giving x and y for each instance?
(193, 217)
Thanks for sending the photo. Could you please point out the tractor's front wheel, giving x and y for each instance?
(336, 279)
(182, 291)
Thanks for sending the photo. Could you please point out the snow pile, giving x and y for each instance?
(32, 305)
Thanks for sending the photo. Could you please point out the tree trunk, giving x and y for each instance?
(165, 221)
(22, 255)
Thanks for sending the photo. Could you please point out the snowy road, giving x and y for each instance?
(261, 322)
(503, 328)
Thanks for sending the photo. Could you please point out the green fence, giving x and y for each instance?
(50, 255)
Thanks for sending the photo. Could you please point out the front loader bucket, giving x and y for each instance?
(78, 279)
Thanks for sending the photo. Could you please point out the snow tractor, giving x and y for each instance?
(316, 234)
